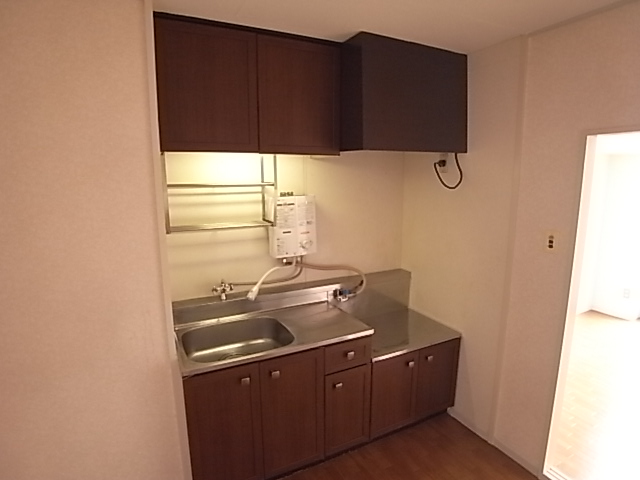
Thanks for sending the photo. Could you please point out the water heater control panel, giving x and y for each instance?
(294, 231)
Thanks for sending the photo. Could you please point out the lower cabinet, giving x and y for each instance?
(437, 372)
(413, 386)
(292, 394)
(268, 418)
(393, 386)
(347, 397)
(224, 424)
(257, 420)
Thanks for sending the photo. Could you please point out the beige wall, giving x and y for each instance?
(86, 381)
(456, 243)
(359, 218)
(581, 78)
(477, 254)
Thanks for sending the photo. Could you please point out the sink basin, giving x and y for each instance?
(224, 341)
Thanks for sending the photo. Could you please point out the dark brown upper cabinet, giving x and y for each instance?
(402, 96)
(298, 96)
(235, 89)
(207, 87)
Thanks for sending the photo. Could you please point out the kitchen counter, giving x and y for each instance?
(404, 331)
(398, 329)
(315, 319)
(314, 325)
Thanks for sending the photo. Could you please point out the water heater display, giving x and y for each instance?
(294, 231)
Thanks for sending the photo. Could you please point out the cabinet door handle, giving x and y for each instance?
(338, 386)
(275, 374)
(245, 381)
(430, 358)
(351, 355)
(411, 364)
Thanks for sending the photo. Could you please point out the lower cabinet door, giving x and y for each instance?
(347, 400)
(392, 393)
(437, 373)
(292, 394)
(223, 419)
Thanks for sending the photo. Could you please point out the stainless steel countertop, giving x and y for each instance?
(314, 325)
(398, 329)
(404, 331)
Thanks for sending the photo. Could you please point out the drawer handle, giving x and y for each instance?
(275, 374)
(430, 358)
(351, 355)
(411, 364)
(338, 386)
(245, 381)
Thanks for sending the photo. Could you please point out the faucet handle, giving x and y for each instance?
(222, 289)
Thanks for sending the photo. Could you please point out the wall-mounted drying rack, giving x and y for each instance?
(254, 188)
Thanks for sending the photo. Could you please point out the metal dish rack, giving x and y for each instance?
(260, 188)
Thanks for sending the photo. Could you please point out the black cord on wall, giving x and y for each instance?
(442, 163)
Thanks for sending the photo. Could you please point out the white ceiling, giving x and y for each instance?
(458, 25)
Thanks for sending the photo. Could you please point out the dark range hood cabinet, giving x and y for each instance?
(402, 96)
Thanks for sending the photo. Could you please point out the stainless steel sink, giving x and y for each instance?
(223, 341)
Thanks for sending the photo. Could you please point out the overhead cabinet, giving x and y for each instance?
(402, 96)
(222, 88)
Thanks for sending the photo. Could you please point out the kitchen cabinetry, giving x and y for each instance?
(393, 386)
(347, 394)
(402, 96)
(292, 411)
(224, 424)
(258, 420)
(413, 386)
(267, 418)
(298, 94)
(437, 372)
(347, 400)
(226, 88)
(207, 87)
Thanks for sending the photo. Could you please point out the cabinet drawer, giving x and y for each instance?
(347, 354)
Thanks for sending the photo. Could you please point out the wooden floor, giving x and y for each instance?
(439, 448)
(597, 434)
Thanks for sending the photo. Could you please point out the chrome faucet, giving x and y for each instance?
(222, 289)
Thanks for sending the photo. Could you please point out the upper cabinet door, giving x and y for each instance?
(298, 83)
(402, 96)
(207, 89)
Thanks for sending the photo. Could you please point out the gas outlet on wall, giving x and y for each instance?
(442, 163)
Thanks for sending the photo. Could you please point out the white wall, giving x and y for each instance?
(359, 222)
(617, 288)
(609, 281)
(456, 243)
(592, 202)
(581, 78)
(86, 377)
